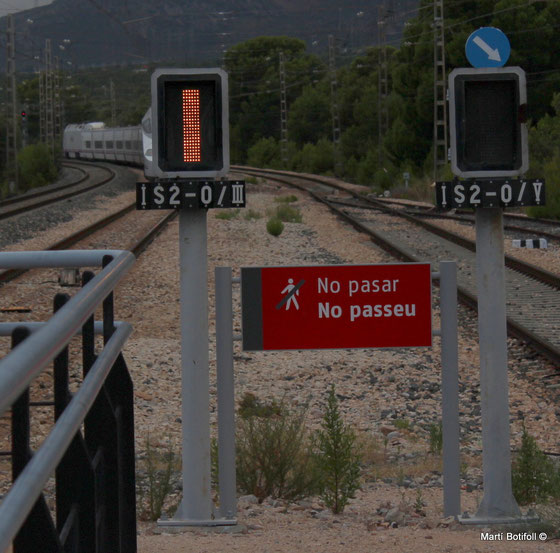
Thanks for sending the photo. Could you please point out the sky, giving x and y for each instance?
(13, 6)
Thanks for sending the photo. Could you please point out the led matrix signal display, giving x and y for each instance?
(190, 136)
(191, 125)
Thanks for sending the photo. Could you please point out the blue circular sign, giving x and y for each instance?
(487, 47)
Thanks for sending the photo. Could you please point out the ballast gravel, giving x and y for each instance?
(391, 397)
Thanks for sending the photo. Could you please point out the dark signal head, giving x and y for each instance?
(487, 122)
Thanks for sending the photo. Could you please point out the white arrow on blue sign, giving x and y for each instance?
(487, 47)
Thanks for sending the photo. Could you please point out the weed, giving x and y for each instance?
(419, 503)
(549, 516)
(286, 199)
(160, 469)
(251, 406)
(274, 226)
(252, 215)
(227, 214)
(436, 438)
(402, 424)
(214, 463)
(251, 180)
(337, 458)
(288, 214)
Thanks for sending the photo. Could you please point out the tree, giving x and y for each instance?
(338, 462)
(309, 117)
(253, 68)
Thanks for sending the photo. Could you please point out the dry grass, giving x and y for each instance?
(378, 458)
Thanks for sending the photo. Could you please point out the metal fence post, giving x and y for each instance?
(75, 485)
(88, 333)
(60, 368)
(38, 527)
(20, 419)
(108, 308)
(226, 397)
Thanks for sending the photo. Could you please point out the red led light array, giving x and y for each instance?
(191, 125)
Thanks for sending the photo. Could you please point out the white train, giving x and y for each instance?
(131, 145)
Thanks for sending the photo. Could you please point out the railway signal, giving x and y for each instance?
(487, 122)
(487, 107)
(24, 131)
(190, 157)
(191, 118)
(190, 142)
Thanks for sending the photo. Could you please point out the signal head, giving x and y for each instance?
(190, 123)
(487, 122)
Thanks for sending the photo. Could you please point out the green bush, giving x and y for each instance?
(337, 459)
(274, 456)
(534, 476)
(36, 166)
(274, 226)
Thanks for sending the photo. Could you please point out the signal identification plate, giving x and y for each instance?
(189, 194)
(490, 193)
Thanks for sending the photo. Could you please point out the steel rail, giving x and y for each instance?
(523, 267)
(65, 243)
(468, 219)
(42, 191)
(52, 192)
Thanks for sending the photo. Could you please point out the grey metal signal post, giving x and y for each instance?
(190, 148)
(498, 500)
(196, 505)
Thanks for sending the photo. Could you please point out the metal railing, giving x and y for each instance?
(94, 470)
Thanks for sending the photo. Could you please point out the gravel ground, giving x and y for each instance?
(376, 388)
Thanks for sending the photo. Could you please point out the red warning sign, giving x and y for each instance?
(337, 306)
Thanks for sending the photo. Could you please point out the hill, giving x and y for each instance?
(196, 32)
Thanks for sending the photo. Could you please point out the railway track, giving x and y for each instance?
(88, 177)
(533, 305)
(526, 226)
(66, 243)
(91, 176)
